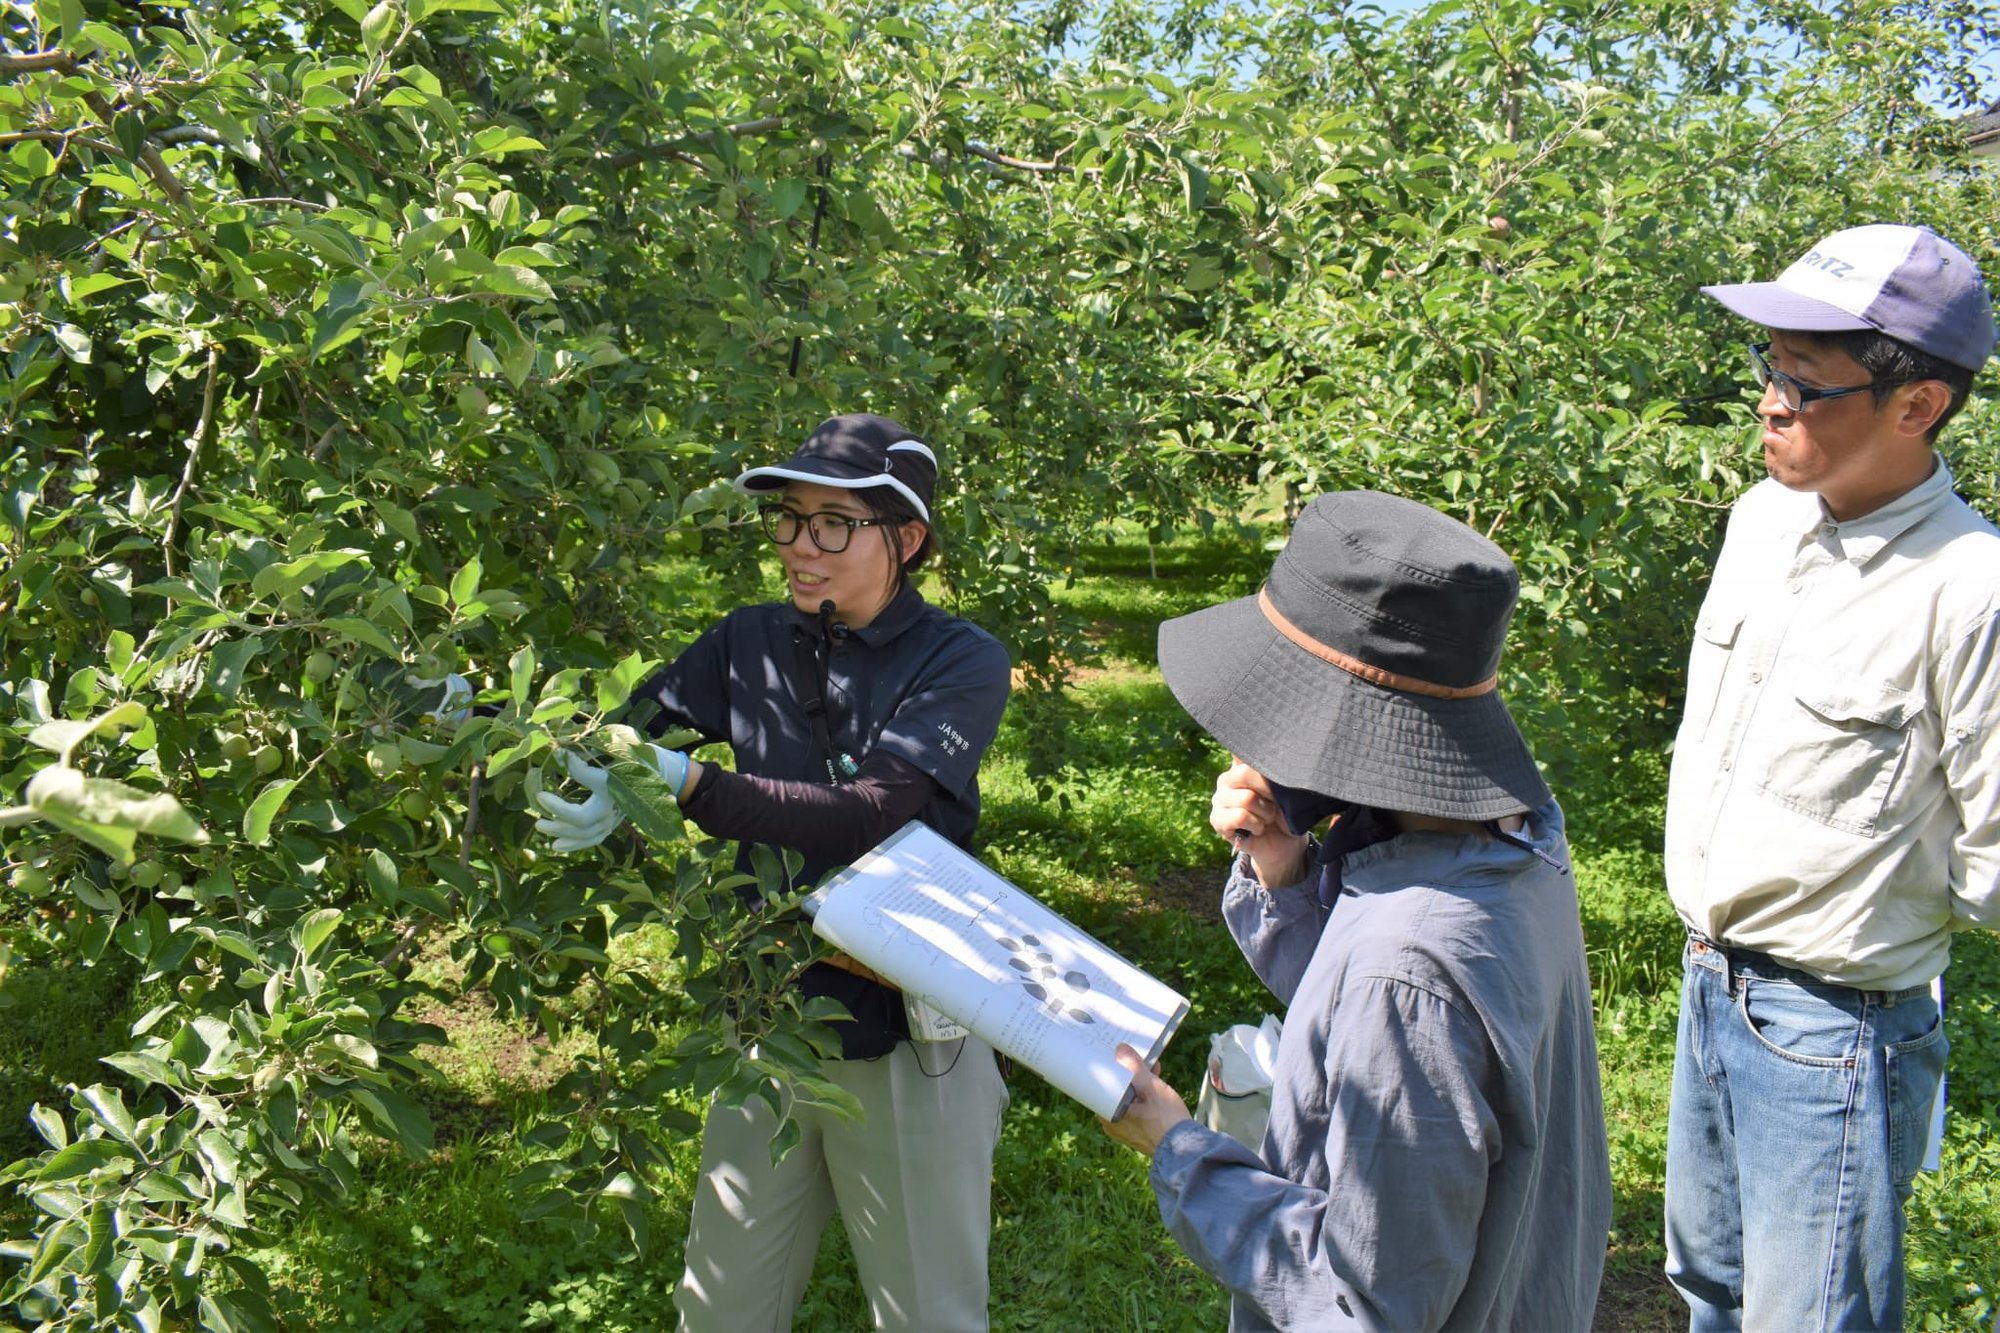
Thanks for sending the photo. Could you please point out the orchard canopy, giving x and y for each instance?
(348, 345)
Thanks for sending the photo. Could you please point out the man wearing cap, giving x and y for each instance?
(1833, 812)
(852, 706)
(1435, 1156)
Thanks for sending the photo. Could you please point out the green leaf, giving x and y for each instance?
(787, 196)
(118, 649)
(422, 753)
(49, 1125)
(786, 1139)
(469, 498)
(361, 631)
(499, 141)
(90, 284)
(179, 590)
(81, 1158)
(357, 1049)
(313, 931)
(97, 1249)
(376, 25)
(517, 280)
(521, 673)
(637, 788)
(638, 1227)
(63, 736)
(55, 1245)
(383, 882)
(1203, 272)
(227, 663)
(109, 813)
(336, 325)
(108, 1105)
(166, 1187)
(97, 899)
(1195, 181)
(222, 1154)
(240, 1310)
(400, 521)
(142, 1067)
(258, 818)
(615, 686)
(427, 898)
(396, 1117)
(282, 579)
(74, 342)
(465, 583)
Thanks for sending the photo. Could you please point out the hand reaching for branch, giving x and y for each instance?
(576, 825)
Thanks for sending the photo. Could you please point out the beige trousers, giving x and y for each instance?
(912, 1181)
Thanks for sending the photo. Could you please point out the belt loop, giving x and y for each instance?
(1702, 941)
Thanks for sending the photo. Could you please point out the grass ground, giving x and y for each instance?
(1120, 845)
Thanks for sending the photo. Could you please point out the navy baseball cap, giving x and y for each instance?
(1907, 282)
(856, 452)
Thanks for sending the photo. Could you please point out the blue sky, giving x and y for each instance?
(1989, 64)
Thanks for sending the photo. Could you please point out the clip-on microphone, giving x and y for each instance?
(829, 627)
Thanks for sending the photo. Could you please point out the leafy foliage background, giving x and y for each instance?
(348, 345)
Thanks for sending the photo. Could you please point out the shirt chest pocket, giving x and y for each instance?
(1839, 746)
(1715, 631)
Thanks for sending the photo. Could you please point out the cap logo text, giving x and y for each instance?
(1839, 268)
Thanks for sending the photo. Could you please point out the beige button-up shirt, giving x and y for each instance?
(1835, 792)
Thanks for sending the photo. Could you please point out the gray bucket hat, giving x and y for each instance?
(1365, 667)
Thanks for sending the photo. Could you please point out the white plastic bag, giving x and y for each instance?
(1236, 1096)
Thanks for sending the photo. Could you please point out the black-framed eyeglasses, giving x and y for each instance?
(1793, 395)
(831, 532)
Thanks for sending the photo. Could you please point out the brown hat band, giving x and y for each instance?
(1356, 667)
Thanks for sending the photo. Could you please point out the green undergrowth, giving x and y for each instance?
(52, 1018)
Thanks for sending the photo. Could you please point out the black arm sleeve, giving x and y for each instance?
(823, 823)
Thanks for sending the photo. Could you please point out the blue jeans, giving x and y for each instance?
(1800, 1113)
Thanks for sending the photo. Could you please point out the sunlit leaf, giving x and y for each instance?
(263, 811)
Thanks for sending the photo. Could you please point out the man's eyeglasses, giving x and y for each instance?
(831, 532)
(1795, 396)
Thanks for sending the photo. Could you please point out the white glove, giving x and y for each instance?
(454, 705)
(576, 825)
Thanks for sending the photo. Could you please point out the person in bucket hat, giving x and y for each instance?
(852, 706)
(1833, 806)
(1435, 1156)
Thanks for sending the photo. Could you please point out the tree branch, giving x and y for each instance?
(35, 62)
(980, 150)
(63, 137)
(677, 149)
(174, 134)
(149, 153)
(273, 200)
(193, 464)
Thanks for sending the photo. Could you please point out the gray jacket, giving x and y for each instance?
(1436, 1155)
